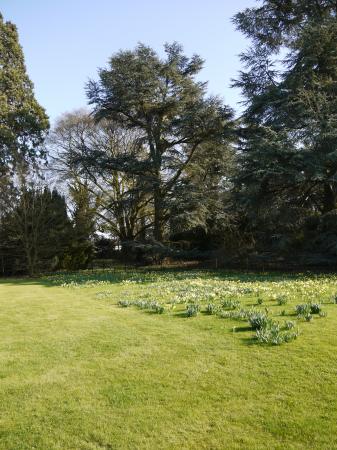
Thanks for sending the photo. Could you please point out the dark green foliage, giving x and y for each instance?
(168, 109)
(23, 121)
(201, 213)
(23, 125)
(315, 308)
(162, 171)
(81, 249)
(288, 165)
(35, 232)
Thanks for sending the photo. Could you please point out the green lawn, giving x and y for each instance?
(79, 372)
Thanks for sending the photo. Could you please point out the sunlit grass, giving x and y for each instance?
(79, 372)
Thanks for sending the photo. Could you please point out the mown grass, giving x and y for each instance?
(78, 372)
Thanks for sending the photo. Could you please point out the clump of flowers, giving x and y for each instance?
(272, 334)
(230, 304)
(192, 310)
(124, 303)
(211, 308)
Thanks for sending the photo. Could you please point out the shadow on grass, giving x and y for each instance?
(249, 341)
(242, 329)
(181, 315)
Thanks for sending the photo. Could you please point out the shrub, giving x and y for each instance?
(259, 301)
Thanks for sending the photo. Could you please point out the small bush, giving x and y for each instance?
(259, 301)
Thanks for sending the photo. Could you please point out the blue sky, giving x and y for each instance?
(66, 41)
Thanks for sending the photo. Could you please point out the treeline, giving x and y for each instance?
(157, 168)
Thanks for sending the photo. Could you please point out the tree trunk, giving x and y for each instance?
(329, 199)
(158, 215)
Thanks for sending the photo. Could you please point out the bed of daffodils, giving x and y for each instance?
(272, 305)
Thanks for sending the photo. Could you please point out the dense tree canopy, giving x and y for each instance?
(157, 167)
(163, 102)
(35, 231)
(93, 155)
(23, 121)
(289, 134)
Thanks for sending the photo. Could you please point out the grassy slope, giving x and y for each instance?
(80, 373)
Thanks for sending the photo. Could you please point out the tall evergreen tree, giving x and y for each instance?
(35, 231)
(161, 99)
(200, 205)
(83, 230)
(23, 122)
(289, 135)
